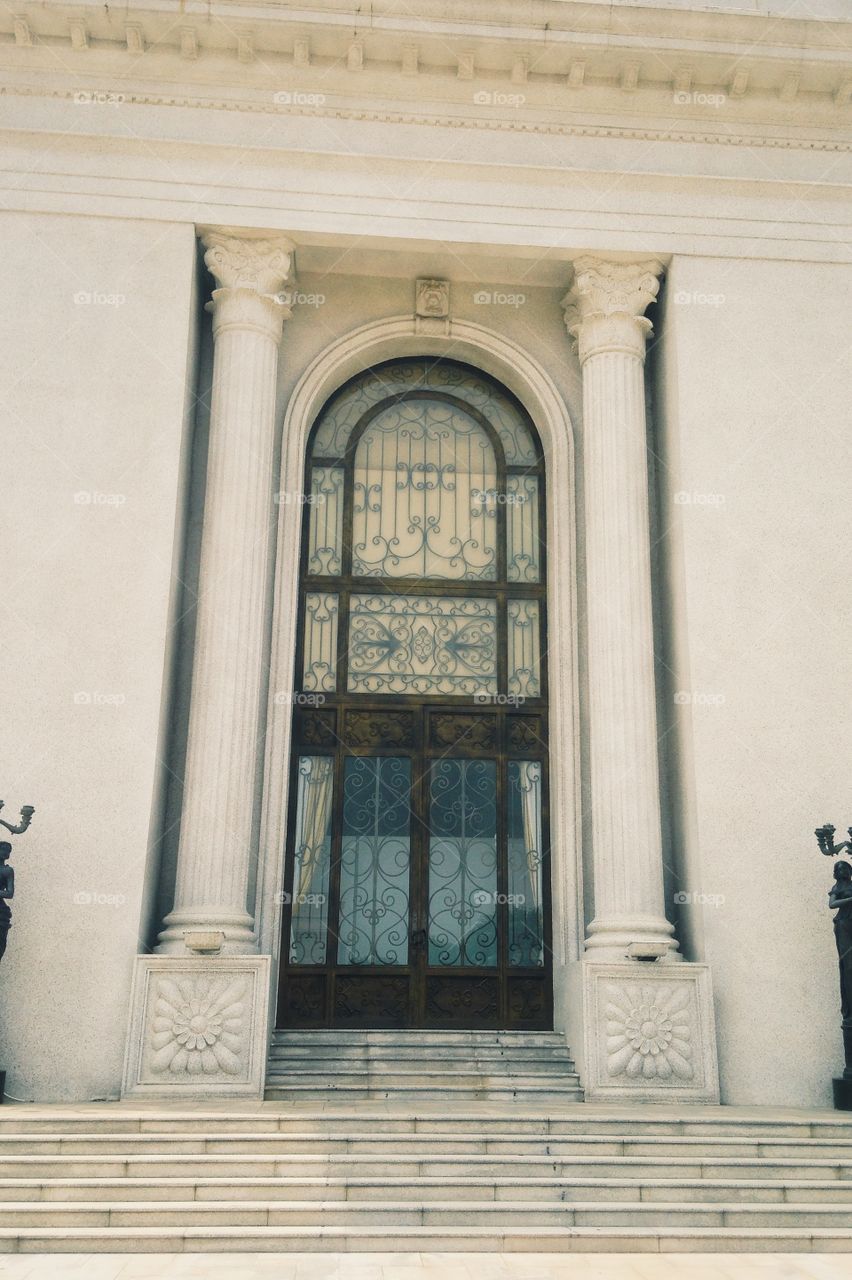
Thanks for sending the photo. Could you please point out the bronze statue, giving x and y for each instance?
(840, 900)
(7, 874)
(7, 891)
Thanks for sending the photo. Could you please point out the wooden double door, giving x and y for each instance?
(417, 886)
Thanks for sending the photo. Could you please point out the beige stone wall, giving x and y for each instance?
(753, 393)
(96, 347)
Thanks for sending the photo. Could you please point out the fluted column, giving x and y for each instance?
(604, 312)
(221, 764)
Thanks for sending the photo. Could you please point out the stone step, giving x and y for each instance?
(423, 1145)
(494, 1189)
(287, 1089)
(159, 1239)
(372, 1059)
(406, 1213)
(429, 1074)
(476, 1117)
(414, 1165)
(422, 1039)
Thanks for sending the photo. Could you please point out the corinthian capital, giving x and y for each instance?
(604, 308)
(251, 276)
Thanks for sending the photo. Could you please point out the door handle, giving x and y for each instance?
(418, 940)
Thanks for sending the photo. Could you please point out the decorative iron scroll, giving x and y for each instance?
(463, 863)
(373, 923)
(379, 728)
(401, 377)
(422, 644)
(424, 495)
(473, 732)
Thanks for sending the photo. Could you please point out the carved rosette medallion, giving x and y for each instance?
(199, 1026)
(648, 1032)
(604, 308)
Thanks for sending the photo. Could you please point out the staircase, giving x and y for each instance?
(408, 1066)
(442, 1142)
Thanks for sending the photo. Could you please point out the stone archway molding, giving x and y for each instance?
(522, 374)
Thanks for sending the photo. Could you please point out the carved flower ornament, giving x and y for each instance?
(197, 1026)
(648, 1032)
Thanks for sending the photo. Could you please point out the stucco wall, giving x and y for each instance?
(96, 340)
(753, 392)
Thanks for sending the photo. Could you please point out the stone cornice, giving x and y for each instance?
(743, 133)
(628, 61)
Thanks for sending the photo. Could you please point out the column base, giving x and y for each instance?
(237, 929)
(621, 938)
(198, 1027)
(643, 1032)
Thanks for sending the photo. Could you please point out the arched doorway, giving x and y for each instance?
(417, 873)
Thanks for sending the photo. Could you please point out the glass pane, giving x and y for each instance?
(523, 553)
(524, 649)
(320, 663)
(374, 868)
(423, 470)
(325, 534)
(339, 418)
(309, 919)
(422, 644)
(526, 911)
(463, 863)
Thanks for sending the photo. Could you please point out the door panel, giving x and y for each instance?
(418, 892)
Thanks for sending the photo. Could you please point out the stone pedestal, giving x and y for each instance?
(198, 1027)
(643, 1032)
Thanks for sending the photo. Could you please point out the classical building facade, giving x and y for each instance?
(425, 578)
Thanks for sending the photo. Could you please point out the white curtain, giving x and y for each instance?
(316, 782)
(529, 782)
